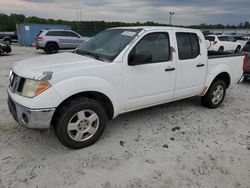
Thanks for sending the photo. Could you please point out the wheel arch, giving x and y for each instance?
(51, 42)
(225, 76)
(98, 96)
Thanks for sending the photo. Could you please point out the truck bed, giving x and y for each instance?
(230, 62)
(217, 55)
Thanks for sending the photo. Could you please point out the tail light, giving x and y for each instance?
(39, 38)
(215, 42)
(245, 63)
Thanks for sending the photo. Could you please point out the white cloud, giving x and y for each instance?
(186, 12)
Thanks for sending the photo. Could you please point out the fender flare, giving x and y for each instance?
(69, 87)
(220, 69)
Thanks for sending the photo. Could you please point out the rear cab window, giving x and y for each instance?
(188, 45)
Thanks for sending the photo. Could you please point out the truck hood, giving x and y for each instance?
(44, 66)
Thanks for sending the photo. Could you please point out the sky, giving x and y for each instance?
(186, 12)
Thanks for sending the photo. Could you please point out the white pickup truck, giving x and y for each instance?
(117, 71)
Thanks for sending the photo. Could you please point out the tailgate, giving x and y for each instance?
(247, 67)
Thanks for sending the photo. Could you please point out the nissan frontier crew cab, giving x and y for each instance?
(117, 71)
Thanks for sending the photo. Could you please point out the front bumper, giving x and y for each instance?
(31, 118)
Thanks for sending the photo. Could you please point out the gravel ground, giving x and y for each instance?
(180, 144)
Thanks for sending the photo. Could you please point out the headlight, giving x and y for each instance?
(32, 88)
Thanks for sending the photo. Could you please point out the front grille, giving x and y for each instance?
(16, 83)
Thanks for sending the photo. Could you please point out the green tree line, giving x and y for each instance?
(8, 23)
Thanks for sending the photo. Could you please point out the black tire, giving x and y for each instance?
(237, 50)
(68, 112)
(8, 41)
(245, 78)
(208, 101)
(51, 48)
(1, 52)
(221, 50)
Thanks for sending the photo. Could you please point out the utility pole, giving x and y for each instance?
(170, 17)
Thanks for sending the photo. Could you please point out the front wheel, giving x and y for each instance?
(215, 95)
(80, 123)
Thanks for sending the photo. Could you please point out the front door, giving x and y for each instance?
(149, 72)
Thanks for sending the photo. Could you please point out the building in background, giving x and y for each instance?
(27, 32)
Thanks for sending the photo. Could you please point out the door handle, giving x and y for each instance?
(169, 69)
(200, 65)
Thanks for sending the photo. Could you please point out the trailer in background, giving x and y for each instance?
(27, 32)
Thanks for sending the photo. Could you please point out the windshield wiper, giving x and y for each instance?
(91, 54)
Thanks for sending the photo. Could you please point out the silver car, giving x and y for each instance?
(53, 40)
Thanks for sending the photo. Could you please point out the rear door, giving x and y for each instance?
(191, 66)
(224, 40)
(63, 39)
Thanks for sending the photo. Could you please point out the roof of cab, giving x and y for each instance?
(151, 28)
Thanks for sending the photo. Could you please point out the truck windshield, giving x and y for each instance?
(107, 45)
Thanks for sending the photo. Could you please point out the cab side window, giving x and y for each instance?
(188, 45)
(156, 46)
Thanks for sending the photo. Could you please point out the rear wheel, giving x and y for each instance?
(237, 49)
(221, 50)
(80, 123)
(51, 48)
(215, 95)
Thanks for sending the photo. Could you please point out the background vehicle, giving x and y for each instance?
(246, 67)
(53, 40)
(223, 43)
(8, 37)
(4, 48)
(117, 71)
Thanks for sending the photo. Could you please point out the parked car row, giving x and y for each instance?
(236, 36)
(222, 43)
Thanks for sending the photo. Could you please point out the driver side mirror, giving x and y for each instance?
(139, 59)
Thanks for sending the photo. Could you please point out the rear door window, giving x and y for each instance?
(210, 38)
(223, 38)
(188, 45)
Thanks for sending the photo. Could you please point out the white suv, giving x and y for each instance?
(222, 43)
